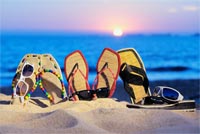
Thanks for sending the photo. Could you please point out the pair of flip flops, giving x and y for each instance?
(136, 83)
(46, 73)
(76, 70)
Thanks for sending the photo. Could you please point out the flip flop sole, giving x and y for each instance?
(109, 63)
(131, 57)
(76, 71)
(50, 81)
(186, 105)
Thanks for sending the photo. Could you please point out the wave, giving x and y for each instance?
(156, 69)
(169, 69)
(92, 69)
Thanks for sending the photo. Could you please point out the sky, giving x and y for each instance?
(132, 16)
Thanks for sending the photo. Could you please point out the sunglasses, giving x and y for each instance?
(22, 87)
(85, 95)
(168, 93)
(89, 94)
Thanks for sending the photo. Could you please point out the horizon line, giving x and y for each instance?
(86, 32)
(54, 32)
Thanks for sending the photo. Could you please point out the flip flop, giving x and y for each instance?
(51, 81)
(108, 66)
(185, 105)
(33, 60)
(76, 71)
(133, 74)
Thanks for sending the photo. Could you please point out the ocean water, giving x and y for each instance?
(166, 57)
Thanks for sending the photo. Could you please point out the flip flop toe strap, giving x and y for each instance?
(133, 75)
(113, 86)
(71, 89)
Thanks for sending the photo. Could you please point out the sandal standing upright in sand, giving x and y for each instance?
(76, 71)
(51, 78)
(133, 74)
(108, 66)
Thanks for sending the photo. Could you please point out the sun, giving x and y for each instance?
(117, 32)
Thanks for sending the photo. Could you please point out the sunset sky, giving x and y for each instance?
(132, 16)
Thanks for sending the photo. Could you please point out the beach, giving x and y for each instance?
(106, 116)
(61, 44)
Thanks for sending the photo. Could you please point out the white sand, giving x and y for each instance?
(102, 116)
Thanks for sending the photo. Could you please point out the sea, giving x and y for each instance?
(165, 56)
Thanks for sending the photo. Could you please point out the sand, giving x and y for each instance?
(101, 116)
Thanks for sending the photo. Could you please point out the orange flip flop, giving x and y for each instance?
(76, 71)
(108, 67)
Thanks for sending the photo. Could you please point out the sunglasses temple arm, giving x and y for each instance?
(21, 99)
(180, 97)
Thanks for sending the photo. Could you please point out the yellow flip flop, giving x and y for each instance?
(133, 74)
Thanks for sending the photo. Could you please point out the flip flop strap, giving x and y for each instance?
(60, 79)
(140, 78)
(70, 87)
(39, 82)
(114, 84)
(43, 89)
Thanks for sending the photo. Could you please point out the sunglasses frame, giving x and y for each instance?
(160, 93)
(22, 79)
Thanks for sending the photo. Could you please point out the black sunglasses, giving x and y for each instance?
(89, 94)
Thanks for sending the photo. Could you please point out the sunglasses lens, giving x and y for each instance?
(170, 94)
(27, 70)
(21, 88)
(85, 95)
(102, 93)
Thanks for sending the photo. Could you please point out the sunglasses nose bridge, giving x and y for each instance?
(157, 91)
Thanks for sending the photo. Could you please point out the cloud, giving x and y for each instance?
(190, 8)
(172, 10)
